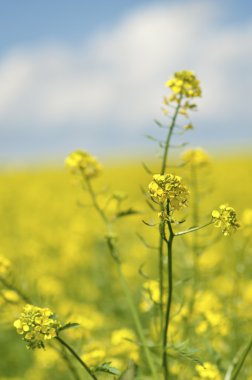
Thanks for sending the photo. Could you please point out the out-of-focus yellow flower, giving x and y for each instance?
(188, 127)
(247, 217)
(37, 325)
(122, 341)
(94, 353)
(81, 161)
(209, 372)
(151, 295)
(226, 219)
(10, 296)
(184, 83)
(5, 266)
(196, 157)
(169, 188)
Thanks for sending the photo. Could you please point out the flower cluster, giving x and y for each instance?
(169, 189)
(209, 372)
(196, 157)
(226, 219)
(83, 162)
(123, 342)
(36, 325)
(184, 83)
(151, 295)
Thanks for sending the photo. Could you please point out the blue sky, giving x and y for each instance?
(91, 74)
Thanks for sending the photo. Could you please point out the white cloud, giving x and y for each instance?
(117, 78)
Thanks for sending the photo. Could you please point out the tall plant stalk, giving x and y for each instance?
(114, 253)
(165, 319)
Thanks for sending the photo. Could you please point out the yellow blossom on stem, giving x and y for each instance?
(169, 188)
(209, 372)
(81, 161)
(226, 219)
(184, 83)
(37, 325)
(122, 342)
(196, 157)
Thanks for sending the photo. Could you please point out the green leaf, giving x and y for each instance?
(105, 367)
(69, 325)
(237, 362)
(129, 211)
(152, 138)
(158, 123)
(130, 373)
(183, 352)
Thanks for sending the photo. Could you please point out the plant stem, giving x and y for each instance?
(136, 321)
(169, 301)
(168, 139)
(161, 276)
(195, 239)
(64, 357)
(164, 329)
(114, 254)
(94, 200)
(14, 288)
(193, 229)
(71, 350)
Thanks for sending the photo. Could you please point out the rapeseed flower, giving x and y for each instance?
(184, 83)
(5, 266)
(196, 157)
(209, 372)
(83, 162)
(37, 325)
(151, 295)
(169, 188)
(226, 219)
(122, 342)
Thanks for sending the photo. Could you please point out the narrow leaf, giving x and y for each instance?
(105, 367)
(129, 211)
(69, 325)
(237, 362)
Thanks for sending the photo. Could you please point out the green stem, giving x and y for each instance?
(169, 302)
(161, 275)
(94, 200)
(237, 371)
(161, 245)
(64, 357)
(195, 241)
(18, 291)
(76, 356)
(124, 284)
(136, 321)
(192, 229)
(168, 139)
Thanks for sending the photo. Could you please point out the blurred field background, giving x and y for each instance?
(55, 243)
(91, 75)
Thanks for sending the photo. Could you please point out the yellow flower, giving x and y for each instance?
(247, 217)
(196, 157)
(169, 188)
(4, 266)
(184, 83)
(226, 219)
(94, 353)
(122, 341)
(37, 325)
(81, 161)
(209, 371)
(151, 295)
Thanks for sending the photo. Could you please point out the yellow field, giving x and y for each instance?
(55, 243)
